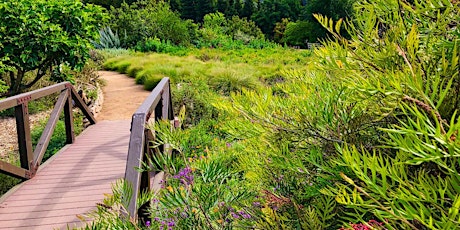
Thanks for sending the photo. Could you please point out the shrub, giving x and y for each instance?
(228, 82)
(156, 45)
(149, 19)
(122, 66)
(37, 41)
(152, 81)
(299, 33)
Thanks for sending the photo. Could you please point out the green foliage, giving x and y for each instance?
(406, 72)
(41, 35)
(150, 19)
(218, 31)
(299, 33)
(109, 3)
(272, 11)
(159, 46)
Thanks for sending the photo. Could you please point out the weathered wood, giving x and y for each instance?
(23, 133)
(68, 119)
(49, 128)
(158, 103)
(135, 157)
(81, 104)
(13, 170)
(155, 96)
(34, 95)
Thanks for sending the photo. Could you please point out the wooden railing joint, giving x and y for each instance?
(30, 159)
(24, 99)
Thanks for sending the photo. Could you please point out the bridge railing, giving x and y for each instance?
(157, 106)
(31, 158)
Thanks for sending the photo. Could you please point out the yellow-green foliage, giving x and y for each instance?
(365, 129)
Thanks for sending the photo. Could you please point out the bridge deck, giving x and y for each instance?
(72, 183)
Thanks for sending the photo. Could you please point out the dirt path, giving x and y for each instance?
(121, 96)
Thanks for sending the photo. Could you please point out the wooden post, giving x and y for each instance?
(68, 118)
(23, 130)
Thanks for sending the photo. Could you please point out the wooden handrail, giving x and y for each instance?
(31, 159)
(158, 104)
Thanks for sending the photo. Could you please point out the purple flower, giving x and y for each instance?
(156, 219)
(171, 224)
(256, 204)
(185, 175)
(234, 215)
(221, 204)
(228, 145)
(147, 223)
(246, 216)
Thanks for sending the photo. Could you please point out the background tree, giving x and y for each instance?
(37, 36)
(222, 6)
(147, 20)
(108, 3)
(272, 11)
(248, 9)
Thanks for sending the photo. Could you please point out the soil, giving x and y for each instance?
(121, 96)
(121, 99)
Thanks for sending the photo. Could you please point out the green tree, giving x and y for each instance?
(197, 9)
(272, 11)
(37, 36)
(248, 9)
(334, 9)
(222, 6)
(108, 3)
(143, 20)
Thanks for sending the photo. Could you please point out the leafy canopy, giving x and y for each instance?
(42, 34)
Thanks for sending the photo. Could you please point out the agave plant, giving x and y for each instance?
(107, 39)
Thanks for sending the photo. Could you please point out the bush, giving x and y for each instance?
(299, 33)
(37, 41)
(158, 46)
(152, 81)
(150, 19)
(228, 82)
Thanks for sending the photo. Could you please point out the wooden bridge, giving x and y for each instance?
(70, 184)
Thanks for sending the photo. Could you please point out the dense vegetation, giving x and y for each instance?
(361, 134)
(284, 21)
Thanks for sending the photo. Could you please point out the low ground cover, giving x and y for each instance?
(362, 133)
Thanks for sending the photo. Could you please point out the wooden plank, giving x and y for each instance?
(68, 118)
(49, 129)
(33, 95)
(135, 155)
(167, 112)
(81, 104)
(23, 133)
(13, 170)
(152, 100)
(60, 191)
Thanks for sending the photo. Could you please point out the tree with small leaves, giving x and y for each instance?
(38, 36)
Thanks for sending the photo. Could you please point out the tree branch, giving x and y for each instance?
(427, 109)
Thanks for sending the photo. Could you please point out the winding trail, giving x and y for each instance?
(121, 96)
